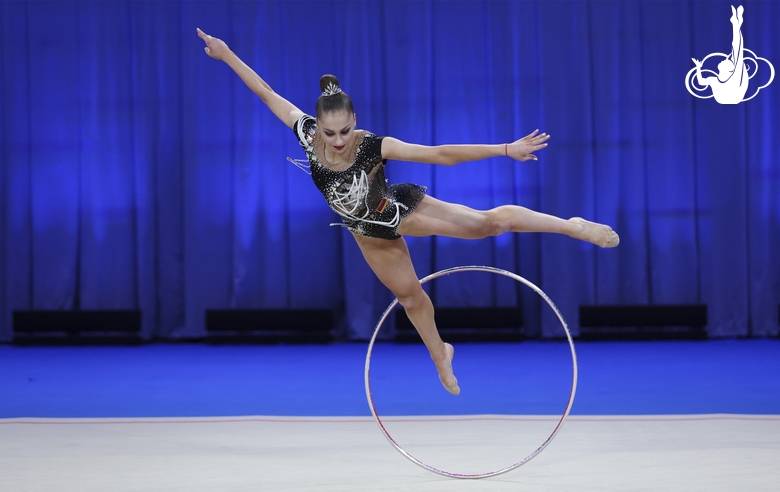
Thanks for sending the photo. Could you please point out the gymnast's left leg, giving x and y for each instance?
(437, 217)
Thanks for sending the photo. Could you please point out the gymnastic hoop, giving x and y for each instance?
(555, 430)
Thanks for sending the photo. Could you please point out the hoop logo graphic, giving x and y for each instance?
(730, 83)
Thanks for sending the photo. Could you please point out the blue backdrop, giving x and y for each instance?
(137, 173)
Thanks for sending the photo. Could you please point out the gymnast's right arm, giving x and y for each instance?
(281, 107)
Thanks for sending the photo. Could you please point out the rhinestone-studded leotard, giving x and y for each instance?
(360, 193)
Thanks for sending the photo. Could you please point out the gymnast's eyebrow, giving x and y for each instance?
(329, 130)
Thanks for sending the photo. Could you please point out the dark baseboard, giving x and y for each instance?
(473, 324)
(268, 326)
(643, 322)
(77, 327)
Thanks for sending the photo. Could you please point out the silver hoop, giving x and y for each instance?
(555, 430)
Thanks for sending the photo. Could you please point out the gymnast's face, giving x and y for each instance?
(337, 129)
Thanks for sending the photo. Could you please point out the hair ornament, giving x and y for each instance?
(331, 90)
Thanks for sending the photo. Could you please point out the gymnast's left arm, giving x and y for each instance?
(448, 155)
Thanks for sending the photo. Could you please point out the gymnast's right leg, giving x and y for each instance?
(390, 261)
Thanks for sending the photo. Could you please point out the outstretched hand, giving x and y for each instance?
(215, 47)
(522, 150)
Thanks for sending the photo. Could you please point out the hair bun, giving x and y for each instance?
(332, 97)
(327, 80)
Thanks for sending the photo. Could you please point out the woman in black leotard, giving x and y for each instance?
(347, 166)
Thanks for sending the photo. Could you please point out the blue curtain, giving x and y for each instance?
(137, 173)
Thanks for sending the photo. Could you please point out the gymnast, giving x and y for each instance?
(347, 166)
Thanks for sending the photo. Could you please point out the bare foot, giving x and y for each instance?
(446, 376)
(598, 234)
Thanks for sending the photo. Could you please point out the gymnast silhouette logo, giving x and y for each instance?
(730, 84)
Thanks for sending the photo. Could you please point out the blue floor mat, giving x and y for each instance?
(533, 377)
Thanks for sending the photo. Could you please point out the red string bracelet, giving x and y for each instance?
(505, 152)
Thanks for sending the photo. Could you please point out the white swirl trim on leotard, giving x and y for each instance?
(348, 203)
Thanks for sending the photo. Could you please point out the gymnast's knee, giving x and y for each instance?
(412, 298)
(494, 223)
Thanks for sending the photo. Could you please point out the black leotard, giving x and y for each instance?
(360, 193)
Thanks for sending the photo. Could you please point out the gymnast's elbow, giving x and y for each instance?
(445, 156)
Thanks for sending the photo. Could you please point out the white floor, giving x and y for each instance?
(610, 453)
